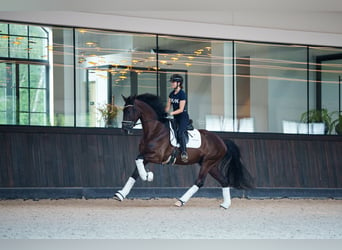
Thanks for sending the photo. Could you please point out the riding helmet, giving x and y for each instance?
(176, 78)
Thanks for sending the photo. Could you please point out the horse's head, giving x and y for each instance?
(130, 114)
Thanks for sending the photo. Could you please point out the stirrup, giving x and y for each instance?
(184, 156)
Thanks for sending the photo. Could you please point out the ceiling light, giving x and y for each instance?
(90, 43)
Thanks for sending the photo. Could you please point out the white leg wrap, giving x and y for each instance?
(121, 194)
(145, 176)
(226, 198)
(189, 194)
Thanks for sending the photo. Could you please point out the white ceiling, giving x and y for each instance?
(316, 21)
(302, 15)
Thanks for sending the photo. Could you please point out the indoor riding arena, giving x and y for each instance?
(89, 96)
(67, 186)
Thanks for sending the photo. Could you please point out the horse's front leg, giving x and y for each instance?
(138, 171)
(121, 194)
(140, 164)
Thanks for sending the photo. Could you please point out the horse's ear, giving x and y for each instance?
(125, 99)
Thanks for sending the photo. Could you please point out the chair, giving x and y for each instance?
(229, 124)
(246, 124)
(213, 123)
(290, 127)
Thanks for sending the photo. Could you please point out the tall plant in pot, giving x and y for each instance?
(318, 116)
(337, 123)
(108, 113)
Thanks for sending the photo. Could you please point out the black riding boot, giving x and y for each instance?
(182, 144)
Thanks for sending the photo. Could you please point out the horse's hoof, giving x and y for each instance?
(149, 176)
(118, 197)
(225, 206)
(179, 203)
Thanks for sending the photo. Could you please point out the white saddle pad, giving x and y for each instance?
(194, 138)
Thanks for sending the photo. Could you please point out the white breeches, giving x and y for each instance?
(145, 176)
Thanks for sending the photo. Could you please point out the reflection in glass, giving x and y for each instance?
(104, 70)
(270, 84)
(59, 76)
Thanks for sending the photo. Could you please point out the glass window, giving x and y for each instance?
(38, 48)
(37, 76)
(206, 66)
(24, 105)
(270, 86)
(3, 28)
(4, 45)
(8, 98)
(24, 88)
(61, 76)
(111, 64)
(23, 75)
(38, 118)
(38, 31)
(3, 95)
(18, 47)
(324, 89)
(18, 29)
(61, 80)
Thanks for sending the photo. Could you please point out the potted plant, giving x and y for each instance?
(337, 123)
(108, 113)
(318, 116)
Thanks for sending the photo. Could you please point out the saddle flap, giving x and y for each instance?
(194, 138)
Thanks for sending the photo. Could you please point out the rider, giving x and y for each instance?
(177, 98)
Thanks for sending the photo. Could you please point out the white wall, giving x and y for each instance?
(240, 29)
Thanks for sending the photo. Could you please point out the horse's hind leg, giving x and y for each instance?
(198, 184)
(216, 174)
(191, 191)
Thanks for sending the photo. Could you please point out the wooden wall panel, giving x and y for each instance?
(292, 160)
(89, 157)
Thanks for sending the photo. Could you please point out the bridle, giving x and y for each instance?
(130, 124)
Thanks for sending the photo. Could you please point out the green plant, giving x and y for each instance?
(318, 116)
(337, 123)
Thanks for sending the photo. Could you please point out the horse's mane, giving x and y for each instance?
(155, 103)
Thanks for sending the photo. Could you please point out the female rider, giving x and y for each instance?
(177, 98)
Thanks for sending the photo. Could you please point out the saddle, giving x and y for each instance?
(193, 140)
(193, 135)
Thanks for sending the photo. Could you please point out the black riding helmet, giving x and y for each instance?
(176, 78)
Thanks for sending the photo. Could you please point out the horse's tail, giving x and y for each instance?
(232, 168)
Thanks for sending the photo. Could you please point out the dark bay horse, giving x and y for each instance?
(221, 160)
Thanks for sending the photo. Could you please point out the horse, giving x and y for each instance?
(220, 159)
